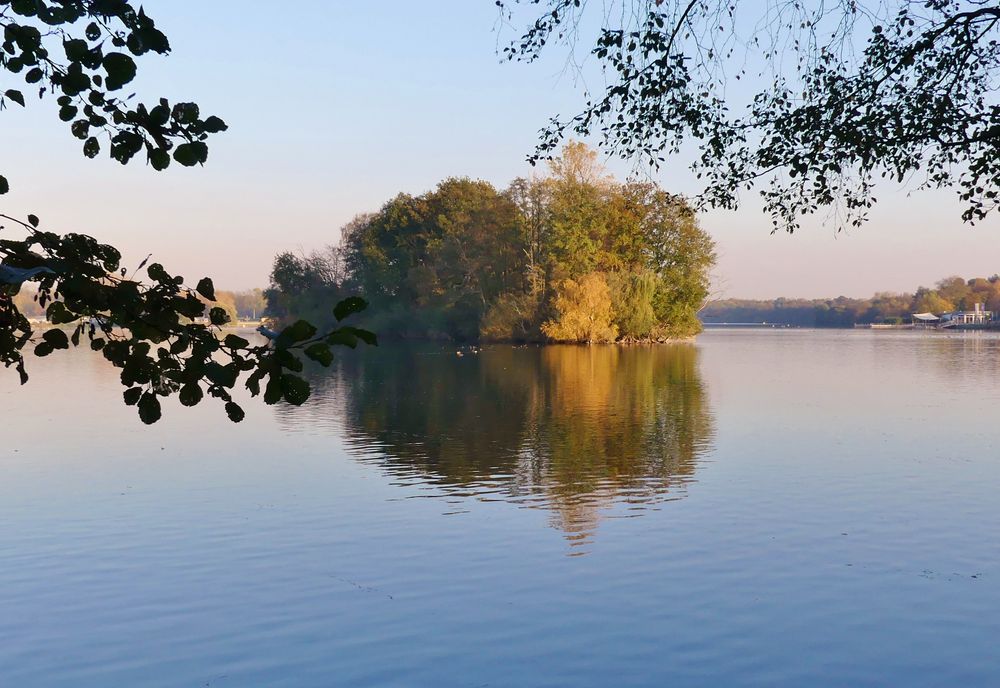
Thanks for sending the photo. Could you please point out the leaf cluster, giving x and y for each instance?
(83, 53)
(162, 335)
(840, 95)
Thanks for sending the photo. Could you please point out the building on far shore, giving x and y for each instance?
(978, 316)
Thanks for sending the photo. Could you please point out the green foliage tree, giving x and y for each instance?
(513, 317)
(434, 264)
(303, 286)
(834, 96)
(632, 296)
(579, 212)
(82, 53)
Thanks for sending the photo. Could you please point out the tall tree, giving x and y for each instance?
(579, 212)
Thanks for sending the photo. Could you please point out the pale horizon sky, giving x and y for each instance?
(337, 107)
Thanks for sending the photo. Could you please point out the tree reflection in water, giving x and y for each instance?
(571, 429)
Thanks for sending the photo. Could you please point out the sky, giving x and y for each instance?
(335, 106)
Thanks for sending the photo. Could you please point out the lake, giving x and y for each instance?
(760, 508)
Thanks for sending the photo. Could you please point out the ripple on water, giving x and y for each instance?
(762, 509)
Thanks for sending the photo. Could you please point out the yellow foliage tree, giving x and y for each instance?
(584, 311)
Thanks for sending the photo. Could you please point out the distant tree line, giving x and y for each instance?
(950, 294)
(573, 256)
(249, 304)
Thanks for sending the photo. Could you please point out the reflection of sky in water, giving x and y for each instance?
(815, 509)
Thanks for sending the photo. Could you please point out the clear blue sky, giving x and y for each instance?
(336, 106)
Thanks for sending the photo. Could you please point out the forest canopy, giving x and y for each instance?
(572, 256)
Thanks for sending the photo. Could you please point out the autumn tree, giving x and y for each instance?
(583, 311)
(931, 301)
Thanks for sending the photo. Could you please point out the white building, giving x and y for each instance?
(979, 316)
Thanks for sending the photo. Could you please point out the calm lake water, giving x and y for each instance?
(762, 508)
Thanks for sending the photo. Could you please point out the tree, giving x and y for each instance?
(82, 53)
(955, 291)
(583, 312)
(930, 301)
(474, 251)
(533, 199)
(579, 212)
(632, 295)
(894, 90)
(433, 264)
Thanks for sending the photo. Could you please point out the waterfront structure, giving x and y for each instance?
(978, 316)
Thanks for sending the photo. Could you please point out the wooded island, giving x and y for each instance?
(572, 256)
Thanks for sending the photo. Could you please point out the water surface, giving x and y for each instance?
(762, 508)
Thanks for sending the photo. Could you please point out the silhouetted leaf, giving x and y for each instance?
(299, 331)
(342, 338)
(91, 147)
(367, 337)
(120, 68)
(349, 306)
(218, 316)
(273, 390)
(320, 353)
(234, 412)
(191, 154)
(149, 408)
(235, 342)
(214, 125)
(190, 394)
(294, 389)
(57, 339)
(206, 288)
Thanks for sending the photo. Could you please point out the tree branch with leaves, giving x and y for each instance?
(160, 333)
(810, 103)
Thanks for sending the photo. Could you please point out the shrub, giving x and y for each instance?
(583, 311)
